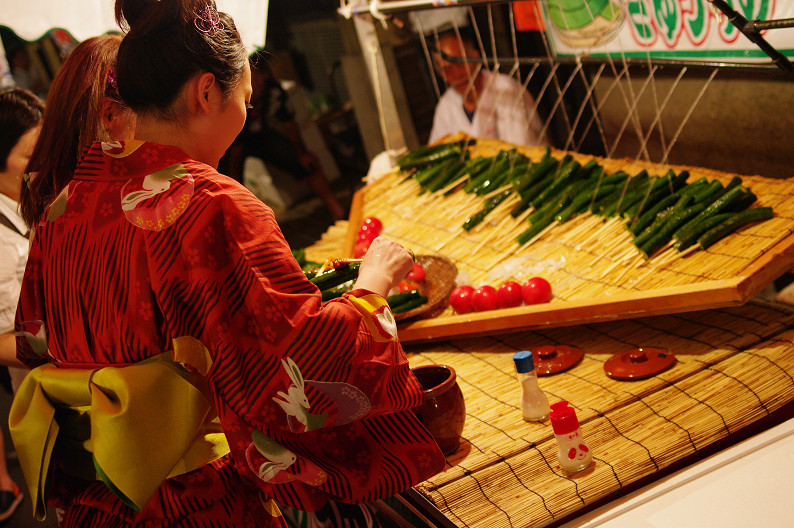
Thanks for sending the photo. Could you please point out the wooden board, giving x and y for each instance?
(594, 274)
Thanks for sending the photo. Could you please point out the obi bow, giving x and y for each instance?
(131, 426)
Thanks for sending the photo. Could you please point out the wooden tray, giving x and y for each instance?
(592, 280)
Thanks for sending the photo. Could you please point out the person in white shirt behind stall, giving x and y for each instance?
(480, 102)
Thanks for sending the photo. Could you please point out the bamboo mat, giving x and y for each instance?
(732, 368)
(587, 260)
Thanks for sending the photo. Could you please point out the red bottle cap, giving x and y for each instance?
(563, 418)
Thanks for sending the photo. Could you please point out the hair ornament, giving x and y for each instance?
(209, 21)
(112, 78)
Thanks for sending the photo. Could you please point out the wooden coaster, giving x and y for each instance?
(553, 359)
(638, 363)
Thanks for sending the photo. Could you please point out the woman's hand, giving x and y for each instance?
(384, 266)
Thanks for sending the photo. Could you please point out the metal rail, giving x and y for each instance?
(591, 60)
(749, 28)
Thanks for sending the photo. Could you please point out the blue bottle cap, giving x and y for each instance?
(524, 362)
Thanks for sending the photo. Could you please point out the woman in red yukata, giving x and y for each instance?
(185, 371)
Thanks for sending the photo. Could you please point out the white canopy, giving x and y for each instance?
(31, 19)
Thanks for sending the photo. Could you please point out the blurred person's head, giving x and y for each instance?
(184, 70)
(458, 75)
(20, 118)
(261, 72)
(83, 106)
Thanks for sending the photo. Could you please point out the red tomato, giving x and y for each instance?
(509, 295)
(485, 298)
(460, 299)
(536, 290)
(361, 247)
(367, 233)
(417, 274)
(376, 224)
(407, 286)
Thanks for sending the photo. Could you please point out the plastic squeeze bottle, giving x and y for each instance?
(534, 404)
(574, 454)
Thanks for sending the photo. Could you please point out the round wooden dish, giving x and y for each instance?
(440, 274)
(638, 363)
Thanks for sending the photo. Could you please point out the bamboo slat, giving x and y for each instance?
(595, 271)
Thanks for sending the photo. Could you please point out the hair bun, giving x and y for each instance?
(141, 16)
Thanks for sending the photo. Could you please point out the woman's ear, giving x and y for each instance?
(108, 113)
(203, 89)
(118, 120)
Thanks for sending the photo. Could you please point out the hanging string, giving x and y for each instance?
(684, 121)
(660, 109)
(656, 104)
(595, 117)
(428, 57)
(372, 48)
(631, 114)
(587, 101)
(554, 80)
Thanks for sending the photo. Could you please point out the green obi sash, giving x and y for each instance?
(131, 427)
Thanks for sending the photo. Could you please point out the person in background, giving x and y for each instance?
(83, 106)
(20, 118)
(271, 134)
(479, 102)
(162, 304)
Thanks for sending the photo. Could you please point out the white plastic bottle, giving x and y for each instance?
(574, 453)
(534, 404)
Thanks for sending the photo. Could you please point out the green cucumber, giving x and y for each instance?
(756, 214)
(425, 151)
(450, 166)
(470, 166)
(687, 234)
(683, 243)
(300, 256)
(536, 172)
(497, 164)
(564, 177)
(709, 192)
(410, 305)
(580, 202)
(543, 220)
(403, 297)
(337, 291)
(673, 222)
(448, 151)
(661, 220)
(335, 277)
(424, 176)
(489, 205)
(693, 187)
(647, 218)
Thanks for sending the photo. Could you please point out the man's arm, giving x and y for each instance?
(8, 350)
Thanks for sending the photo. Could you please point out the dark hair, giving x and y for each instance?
(71, 122)
(20, 110)
(167, 43)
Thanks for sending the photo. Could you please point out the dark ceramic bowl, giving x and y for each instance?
(443, 411)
